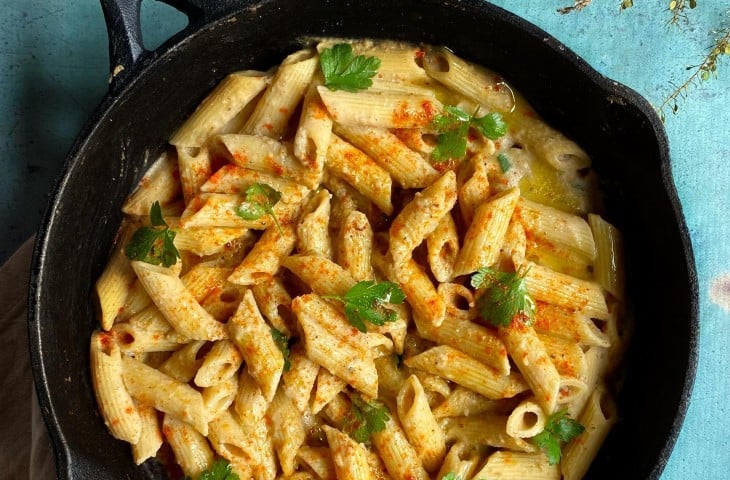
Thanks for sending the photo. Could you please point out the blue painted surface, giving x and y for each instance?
(53, 71)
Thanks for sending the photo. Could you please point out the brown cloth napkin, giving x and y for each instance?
(25, 448)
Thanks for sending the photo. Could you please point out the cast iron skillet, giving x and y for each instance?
(154, 91)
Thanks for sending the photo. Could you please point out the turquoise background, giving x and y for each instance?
(54, 69)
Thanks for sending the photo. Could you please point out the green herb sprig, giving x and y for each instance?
(260, 201)
(154, 244)
(365, 302)
(220, 470)
(453, 128)
(504, 162)
(343, 70)
(559, 429)
(451, 476)
(504, 298)
(282, 341)
(365, 418)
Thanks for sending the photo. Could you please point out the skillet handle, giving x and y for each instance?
(123, 25)
(125, 37)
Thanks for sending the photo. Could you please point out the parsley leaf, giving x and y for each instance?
(451, 476)
(154, 244)
(221, 470)
(344, 71)
(366, 302)
(365, 418)
(504, 162)
(491, 125)
(550, 445)
(453, 128)
(282, 341)
(260, 201)
(505, 297)
(559, 429)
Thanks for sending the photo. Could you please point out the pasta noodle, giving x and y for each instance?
(325, 288)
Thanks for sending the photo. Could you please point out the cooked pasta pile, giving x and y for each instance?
(374, 261)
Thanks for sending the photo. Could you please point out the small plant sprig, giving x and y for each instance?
(154, 244)
(453, 128)
(343, 70)
(365, 418)
(559, 429)
(505, 297)
(260, 201)
(366, 302)
(701, 72)
(220, 470)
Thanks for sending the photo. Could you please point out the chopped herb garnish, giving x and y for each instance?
(260, 201)
(491, 125)
(365, 418)
(451, 476)
(282, 341)
(453, 128)
(221, 470)
(559, 429)
(154, 244)
(366, 302)
(504, 162)
(344, 71)
(505, 297)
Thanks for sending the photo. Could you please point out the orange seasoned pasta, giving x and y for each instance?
(393, 269)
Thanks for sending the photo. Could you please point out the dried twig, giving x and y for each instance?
(577, 5)
(700, 72)
(678, 9)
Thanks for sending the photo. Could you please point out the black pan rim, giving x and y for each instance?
(149, 60)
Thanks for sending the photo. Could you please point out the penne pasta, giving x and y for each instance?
(355, 245)
(360, 171)
(443, 249)
(420, 425)
(278, 104)
(313, 135)
(252, 336)
(477, 83)
(533, 361)
(177, 304)
(400, 458)
(455, 366)
(221, 105)
(486, 233)
(349, 457)
(300, 305)
(420, 217)
(151, 387)
(609, 256)
(119, 411)
(407, 167)
(157, 185)
(509, 465)
(324, 327)
(114, 285)
(191, 449)
(150, 436)
(550, 145)
(384, 108)
(264, 259)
